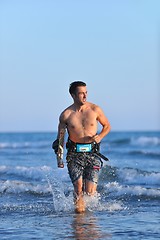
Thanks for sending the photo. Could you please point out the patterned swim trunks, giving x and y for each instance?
(85, 165)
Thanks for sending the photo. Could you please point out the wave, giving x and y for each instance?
(108, 173)
(115, 189)
(143, 140)
(140, 153)
(16, 187)
(25, 145)
(112, 198)
(34, 173)
(139, 177)
(115, 184)
(61, 202)
(145, 153)
(121, 141)
(140, 141)
(129, 176)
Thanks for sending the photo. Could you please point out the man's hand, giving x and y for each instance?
(96, 138)
(60, 152)
(60, 163)
(60, 157)
(58, 149)
(55, 145)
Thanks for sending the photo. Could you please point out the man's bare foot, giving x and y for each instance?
(79, 205)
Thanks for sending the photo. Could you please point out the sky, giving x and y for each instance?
(112, 45)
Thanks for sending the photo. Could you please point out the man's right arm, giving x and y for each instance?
(58, 144)
(61, 132)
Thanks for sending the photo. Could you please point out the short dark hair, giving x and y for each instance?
(74, 85)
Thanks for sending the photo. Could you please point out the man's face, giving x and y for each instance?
(81, 95)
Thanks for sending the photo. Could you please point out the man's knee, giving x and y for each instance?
(78, 186)
(90, 188)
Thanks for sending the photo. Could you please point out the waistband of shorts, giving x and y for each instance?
(72, 146)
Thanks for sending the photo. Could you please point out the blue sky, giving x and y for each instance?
(113, 46)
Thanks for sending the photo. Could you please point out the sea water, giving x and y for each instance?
(37, 197)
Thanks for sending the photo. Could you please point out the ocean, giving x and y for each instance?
(37, 197)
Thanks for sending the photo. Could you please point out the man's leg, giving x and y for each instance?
(90, 187)
(79, 202)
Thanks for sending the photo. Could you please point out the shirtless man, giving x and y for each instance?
(81, 121)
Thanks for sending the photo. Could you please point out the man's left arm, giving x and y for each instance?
(102, 119)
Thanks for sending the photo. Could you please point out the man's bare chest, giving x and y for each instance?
(82, 119)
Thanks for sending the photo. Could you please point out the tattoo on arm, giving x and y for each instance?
(61, 136)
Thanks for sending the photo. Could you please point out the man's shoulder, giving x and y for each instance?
(67, 110)
(93, 106)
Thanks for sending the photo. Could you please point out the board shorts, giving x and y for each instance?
(85, 165)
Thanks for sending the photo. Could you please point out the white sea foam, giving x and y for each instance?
(25, 144)
(134, 176)
(143, 140)
(95, 203)
(4, 145)
(115, 189)
(14, 145)
(16, 187)
(34, 173)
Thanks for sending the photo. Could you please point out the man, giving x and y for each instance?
(81, 121)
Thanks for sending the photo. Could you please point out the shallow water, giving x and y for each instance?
(37, 197)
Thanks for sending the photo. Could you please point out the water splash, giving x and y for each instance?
(61, 202)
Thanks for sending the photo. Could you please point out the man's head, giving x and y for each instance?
(78, 92)
(73, 86)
